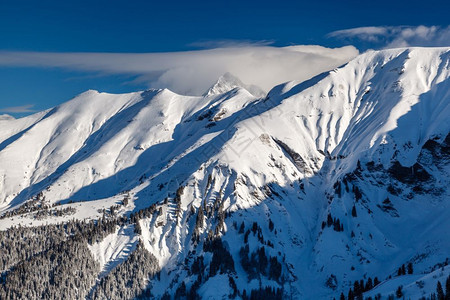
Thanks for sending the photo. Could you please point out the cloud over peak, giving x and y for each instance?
(193, 72)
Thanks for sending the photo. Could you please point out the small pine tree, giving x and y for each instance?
(356, 288)
(137, 228)
(357, 192)
(351, 296)
(181, 291)
(399, 292)
(369, 284)
(354, 214)
(336, 225)
(242, 228)
(401, 271)
(376, 281)
(254, 227)
(342, 297)
(233, 286)
(439, 291)
(329, 220)
(410, 268)
(447, 288)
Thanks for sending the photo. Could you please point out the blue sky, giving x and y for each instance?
(174, 26)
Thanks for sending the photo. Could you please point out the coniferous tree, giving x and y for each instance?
(439, 291)
(244, 295)
(399, 292)
(137, 228)
(193, 295)
(376, 281)
(351, 296)
(198, 224)
(274, 269)
(266, 293)
(247, 233)
(354, 214)
(181, 291)
(271, 225)
(357, 192)
(356, 288)
(221, 261)
(336, 225)
(447, 288)
(369, 284)
(254, 227)
(401, 271)
(410, 268)
(329, 220)
(242, 228)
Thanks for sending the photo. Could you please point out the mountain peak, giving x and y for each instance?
(6, 117)
(227, 82)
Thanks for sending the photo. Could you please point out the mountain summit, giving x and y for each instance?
(6, 117)
(227, 82)
(338, 184)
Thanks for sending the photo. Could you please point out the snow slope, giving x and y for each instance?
(371, 135)
(114, 248)
(414, 286)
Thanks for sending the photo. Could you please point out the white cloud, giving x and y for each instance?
(209, 44)
(192, 72)
(18, 109)
(397, 36)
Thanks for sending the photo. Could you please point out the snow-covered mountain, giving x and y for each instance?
(315, 186)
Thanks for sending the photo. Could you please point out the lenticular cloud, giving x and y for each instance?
(192, 72)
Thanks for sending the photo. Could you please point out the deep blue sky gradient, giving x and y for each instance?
(150, 26)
